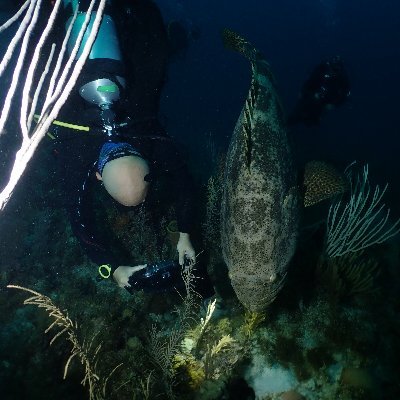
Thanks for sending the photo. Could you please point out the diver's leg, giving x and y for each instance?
(146, 52)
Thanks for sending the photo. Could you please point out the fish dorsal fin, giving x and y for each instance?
(248, 116)
(235, 42)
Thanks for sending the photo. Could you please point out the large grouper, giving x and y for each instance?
(260, 201)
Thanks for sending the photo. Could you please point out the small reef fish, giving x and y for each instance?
(260, 200)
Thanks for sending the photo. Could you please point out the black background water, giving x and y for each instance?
(205, 90)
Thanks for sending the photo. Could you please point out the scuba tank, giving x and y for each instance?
(103, 83)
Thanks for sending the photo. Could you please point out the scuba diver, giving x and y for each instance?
(327, 87)
(180, 34)
(111, 133)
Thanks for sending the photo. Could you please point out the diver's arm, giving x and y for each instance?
(85, 230)
(168, 162)
(185, 249)
(122, 274)
(184, 190)
(99, 88)
(75, 155)
(79, 203)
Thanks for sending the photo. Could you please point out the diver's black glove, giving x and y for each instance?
(158, 277)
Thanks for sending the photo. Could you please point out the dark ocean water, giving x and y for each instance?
(338, 344)
(205, 91)
(206, 87)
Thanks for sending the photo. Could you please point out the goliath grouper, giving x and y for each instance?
(260, 201)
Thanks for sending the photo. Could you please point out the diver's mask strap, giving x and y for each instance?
(105, 270)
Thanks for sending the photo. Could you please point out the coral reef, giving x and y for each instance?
(86, 351)
(332, 333)
(348, 276)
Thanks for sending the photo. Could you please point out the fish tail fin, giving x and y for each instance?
(235, 42)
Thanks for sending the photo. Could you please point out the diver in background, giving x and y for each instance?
(123, 145)
(327, 87)
(180, 35)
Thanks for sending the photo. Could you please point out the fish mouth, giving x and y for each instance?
(254, 294)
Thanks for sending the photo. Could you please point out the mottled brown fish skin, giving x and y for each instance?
(260, 197)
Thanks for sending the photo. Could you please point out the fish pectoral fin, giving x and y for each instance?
(291, 196)
(322, 181)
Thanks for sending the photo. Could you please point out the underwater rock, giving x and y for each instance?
(266, 379)
(134, 343)
(360, 378)
(211, 390)
(127, 313)
(238, 389)
(260, 201)
(291, 395)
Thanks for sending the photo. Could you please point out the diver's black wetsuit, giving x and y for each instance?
(144, 44)
(77, 154)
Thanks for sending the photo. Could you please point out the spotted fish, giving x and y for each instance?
(260, 201)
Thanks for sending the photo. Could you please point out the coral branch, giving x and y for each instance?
(361, 222)
(54, 101)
